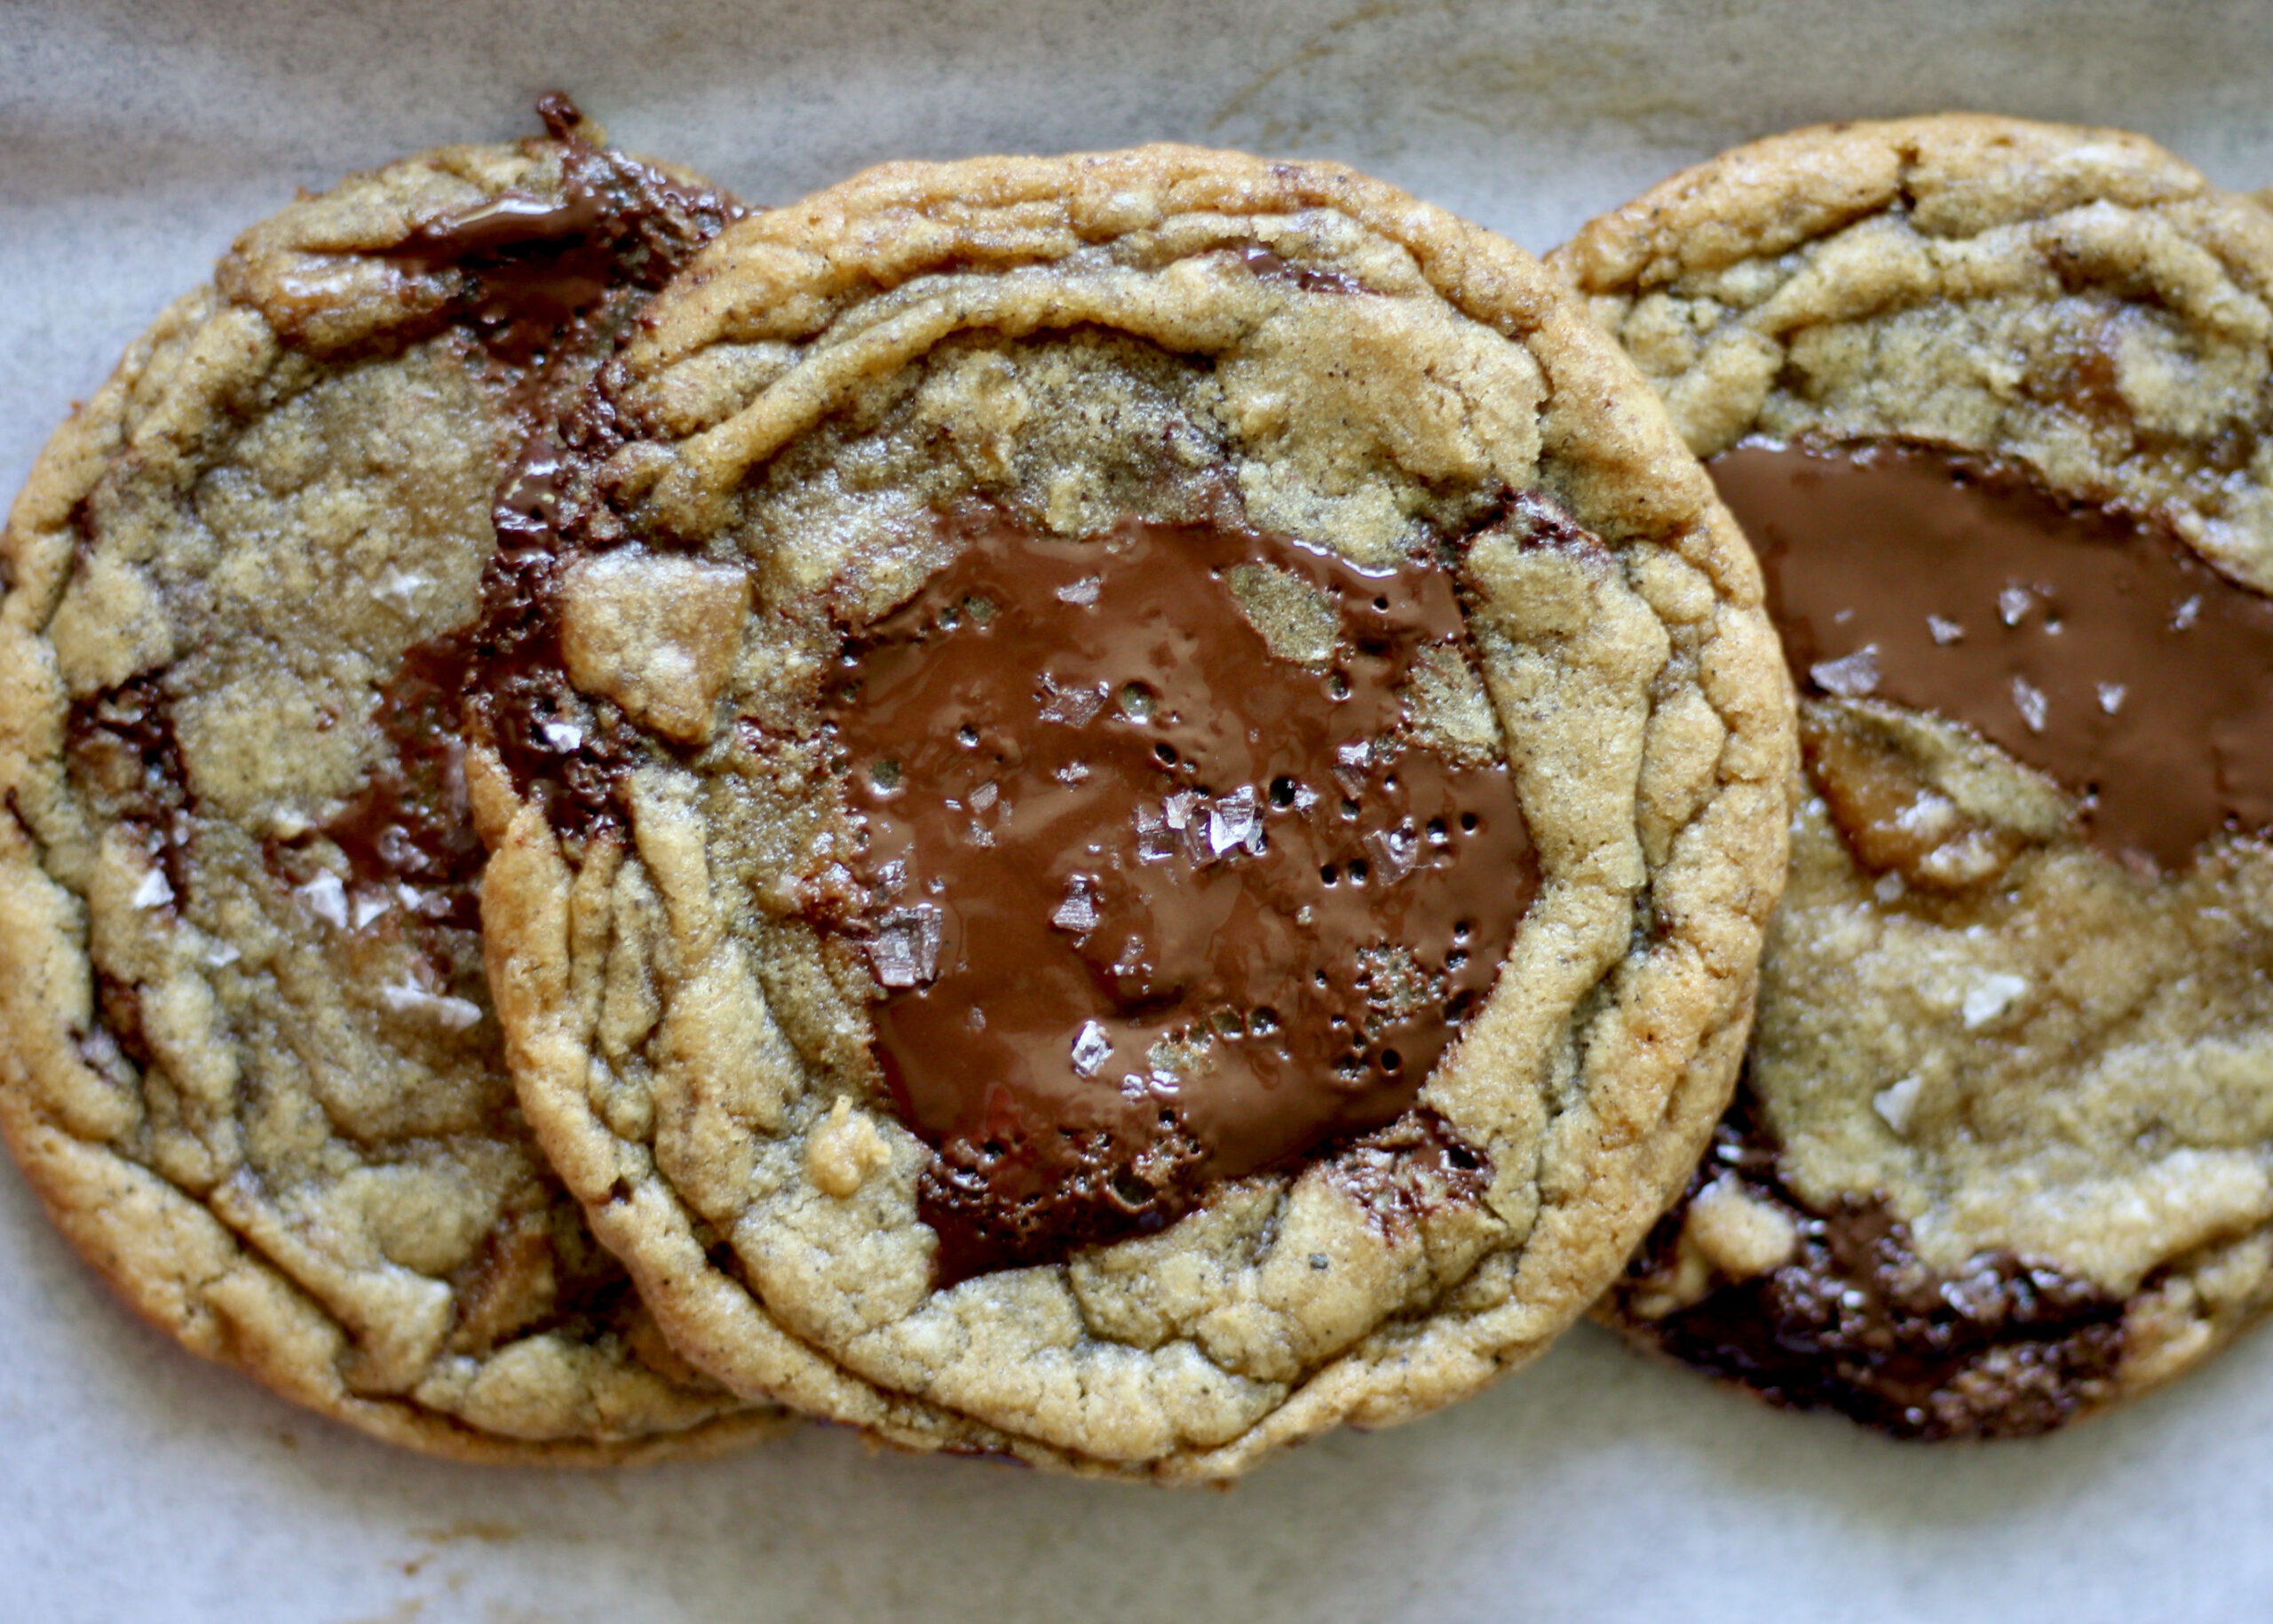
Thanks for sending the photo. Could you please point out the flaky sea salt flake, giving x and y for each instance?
(1854, 676)
(1896, 1103)
(1071, 706)
(1351, 762)
(1395, 852)
(326, 898)
(402, 589)
(1232, 823)
(1090, 1049)
(1078, 913)
(905, 950)
(1156, 841)
(1992, 996)
(2028, 700)
(452, 1014)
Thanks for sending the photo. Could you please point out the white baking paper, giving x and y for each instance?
(137, 1483)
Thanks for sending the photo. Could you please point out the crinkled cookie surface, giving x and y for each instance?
(1137, 359)
(2005, 1151)
(250, 1063)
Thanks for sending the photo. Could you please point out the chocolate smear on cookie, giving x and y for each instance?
(543, 288)
(125, 756)
(641, 226)
(528, 270)
(408, 830)
(2005, 1346)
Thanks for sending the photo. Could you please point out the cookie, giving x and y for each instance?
(1130, 811)
(1992, 400)
(250, 1061)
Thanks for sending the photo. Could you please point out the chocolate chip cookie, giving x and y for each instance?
(1992, 400)
(1131, 802)
(249, 1060)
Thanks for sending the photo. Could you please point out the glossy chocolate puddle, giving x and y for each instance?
(2092, 645)
(1151, 906)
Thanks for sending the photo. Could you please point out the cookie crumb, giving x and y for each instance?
(844, 1151)
(1741, 1237)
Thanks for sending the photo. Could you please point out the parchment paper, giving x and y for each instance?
(137, 1483)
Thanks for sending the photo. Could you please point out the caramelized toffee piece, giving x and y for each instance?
(2094, 646)
(1154, 906)
(2005, 1347)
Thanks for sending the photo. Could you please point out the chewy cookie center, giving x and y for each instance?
(1161, 889)
(2091, 646)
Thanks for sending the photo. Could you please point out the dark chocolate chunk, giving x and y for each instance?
(2004, 1347)
(529, 271)
(1269, 267)
(124, 753)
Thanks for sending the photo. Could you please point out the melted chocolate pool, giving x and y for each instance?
(2092, 645)
(1151, 905)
